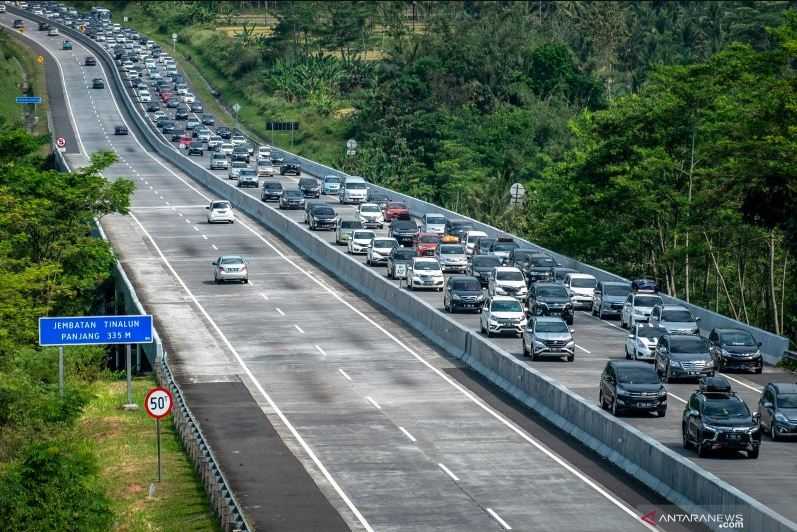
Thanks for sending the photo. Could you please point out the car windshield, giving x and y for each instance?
(474, 238)
(396, 206)
(471, 285)
(647, 301)
(293, 194)
(485, 243)
(504, 246)
(551, 327)
(363, 235)
(542, 262)
(385, 243)
(246, 172)
(350, 224)
(641, 375)
(507, 306)
(677, 316)
(427, 265)
(308, 183)
(738, 338)
(688, 344)
(332, 179)
(231, 260)
(452, 250)
(405, 225)
(272, 186)
(787, 400)
(369, 208)
(508, 276)
(323, 211)
(429, 239)
(552, 291)
(458, 225)
(726, 408)
(616, 290)
(485, 261)
(651, 332)
(435, 220)
(356, 186)
(583, 282)
(220, 205)
(238, 164)
(403, 253)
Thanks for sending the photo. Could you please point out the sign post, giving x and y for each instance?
(174, 43)
(95, 330)
(158, 403)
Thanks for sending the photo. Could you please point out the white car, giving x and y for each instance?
(508, 281)
(226, 148)
(641, 343)
(581, 287)
(424, 272)
(502, 314)
(637, 308)
(235, 169)
(360, 241)
(471, 237)
(380, 250)
(214, 142)
(188, 98)
(220, 212)
(371, 215)
(433, 223)
(237, 140)
(265, 168)
(263, 153)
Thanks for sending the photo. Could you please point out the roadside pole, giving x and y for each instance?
(61, 371)
(158, 403)
(130, 405)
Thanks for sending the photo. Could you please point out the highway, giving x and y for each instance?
(375, 415)
(771, 478)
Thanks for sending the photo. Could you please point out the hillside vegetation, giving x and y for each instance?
(653, 137)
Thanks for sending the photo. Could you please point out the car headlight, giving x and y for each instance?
(416, 278)
(537, 343)
(780, 417)
(571, 344)
(456, 297)
(675, 364)
(662, 393)
(710, 363)
(491, 321)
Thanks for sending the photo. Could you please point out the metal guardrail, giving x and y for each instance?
(790, 355)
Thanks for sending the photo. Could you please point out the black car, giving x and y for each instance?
(292, 199)
(481, 267)
(483, 246)
(458, 228)
(170, 128)
(208, 120)
(683, 356)
(539, 267)
(90, 61)
(97, 83)
(271, 191)
(777, 409)
(181, 112)
(310, 187)
(403, 230)
(462, 292)
(196, 148)
(153, 107)
(174, 103)
(120, 130)
(398, 261)
(43, 26)
(628, 386)
(550, 299)
(177, 135)
(322, 217)
(716, 418)
(502, 247)
(735, 349)
(291, 169)
(224, 132)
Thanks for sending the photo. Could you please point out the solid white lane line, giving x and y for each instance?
(298, 328)
(371, 400)
(256, 384)
(344, 374)
(407, 434)
(587, 352)
(320, 350)
(467, 393)
(449, 472)
(501, 521)
(757, 389)
(676, 397)
(279, 311)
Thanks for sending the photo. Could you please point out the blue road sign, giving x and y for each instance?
(91, 330)
(29, 99)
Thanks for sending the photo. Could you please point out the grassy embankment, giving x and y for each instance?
(18, 67)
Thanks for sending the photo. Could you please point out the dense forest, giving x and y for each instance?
(653, 137)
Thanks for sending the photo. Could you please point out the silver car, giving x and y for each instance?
(230, 268)
(676, 319)
(380, 250)
(637, 308)
(548, 336)
(452, 257)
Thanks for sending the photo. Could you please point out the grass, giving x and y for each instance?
(19, 66)
(124, 443)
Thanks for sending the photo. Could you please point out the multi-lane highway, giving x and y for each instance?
(369, 408)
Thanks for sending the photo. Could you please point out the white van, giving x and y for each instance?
(581, 287)
(353, 189)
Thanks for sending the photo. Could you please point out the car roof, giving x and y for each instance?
(548, 285)
(615, 283)
(581, 276)
(729, 330)
(672, 307)
(426, 259)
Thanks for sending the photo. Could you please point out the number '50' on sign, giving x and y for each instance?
(158, 402)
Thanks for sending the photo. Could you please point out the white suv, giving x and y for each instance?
(220, 211)
(502, 314)
(508, 281)
(581, 287)
(424, 272)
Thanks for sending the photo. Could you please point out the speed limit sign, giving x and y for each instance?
(158, 402)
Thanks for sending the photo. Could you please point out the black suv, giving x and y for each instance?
(97, 83)
(631, 386)
(683, 356)
(716, 418)
(403, 230)
(310, 187)
(224, 132)
(291, 168)
(482, 266)
(322, 216)
(271, 191)
(181, 113)
(550, 299)
(462, 292)
(778, 409)
(735, 349)
(90, 61)
(535, 266)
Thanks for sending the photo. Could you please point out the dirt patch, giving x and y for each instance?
(134, 488)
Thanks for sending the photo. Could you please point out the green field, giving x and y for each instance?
(17, 66)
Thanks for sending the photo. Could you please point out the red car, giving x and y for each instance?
(184, 142)
(426, 244)
(395, 209)
(166, 96)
